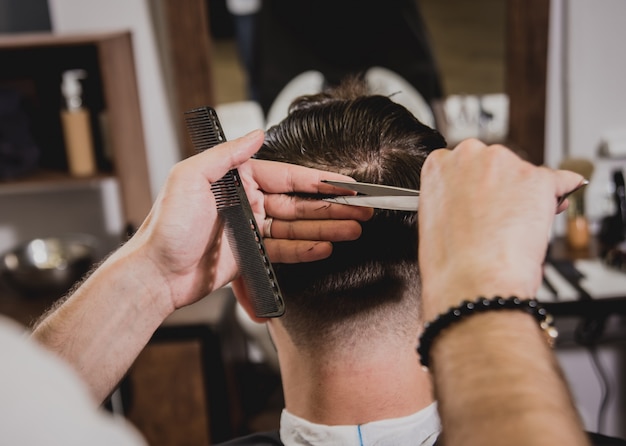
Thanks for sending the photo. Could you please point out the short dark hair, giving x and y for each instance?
(346, 129)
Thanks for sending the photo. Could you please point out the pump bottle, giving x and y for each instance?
(76, 126)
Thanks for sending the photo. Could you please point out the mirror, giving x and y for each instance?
(469, 45)
(468, 40)
(482, 47)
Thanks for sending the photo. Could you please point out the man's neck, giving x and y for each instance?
(371, 382)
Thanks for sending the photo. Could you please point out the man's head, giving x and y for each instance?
(372, 283)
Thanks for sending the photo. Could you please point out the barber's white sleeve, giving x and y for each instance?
(44, 402)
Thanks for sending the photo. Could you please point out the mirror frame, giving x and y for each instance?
(525, 76)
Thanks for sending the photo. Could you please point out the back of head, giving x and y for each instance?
(371, 284)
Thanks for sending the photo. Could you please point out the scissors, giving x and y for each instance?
(376, 196)
(391, 197)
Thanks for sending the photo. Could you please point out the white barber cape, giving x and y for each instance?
(421, 428)
(44, 402)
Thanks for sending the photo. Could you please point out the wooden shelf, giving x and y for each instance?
(111, 57)
(47, 39)
(44, 181)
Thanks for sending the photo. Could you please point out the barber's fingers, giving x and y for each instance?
(296, 251)
(328, 230)
(276, 177)
(566, 182)
(307, 240)
(502, 158)
(290, 207)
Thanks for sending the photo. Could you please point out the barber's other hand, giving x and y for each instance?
(484, 223)
(182, 241)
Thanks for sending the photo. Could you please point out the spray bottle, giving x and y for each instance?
(76, 126)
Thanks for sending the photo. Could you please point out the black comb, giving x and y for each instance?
(241, 229)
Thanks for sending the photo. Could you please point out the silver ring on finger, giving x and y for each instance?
(267, 227)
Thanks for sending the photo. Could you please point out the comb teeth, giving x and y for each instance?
(240, 226)
(225, 192)
(205, 132)
(204, 128)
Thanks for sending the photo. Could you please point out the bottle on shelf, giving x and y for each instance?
(578, 232)
(76, 124)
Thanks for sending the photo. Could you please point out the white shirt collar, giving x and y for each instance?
(421, 428)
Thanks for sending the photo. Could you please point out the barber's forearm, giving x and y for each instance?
(497, 382)
(103, 326)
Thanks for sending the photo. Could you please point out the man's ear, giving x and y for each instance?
(243, 298)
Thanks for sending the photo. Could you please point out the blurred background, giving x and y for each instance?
(544, 77)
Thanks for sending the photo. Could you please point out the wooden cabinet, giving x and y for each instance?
(33, 64)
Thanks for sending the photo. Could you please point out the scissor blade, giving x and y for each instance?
(374, 189)
(401, 203)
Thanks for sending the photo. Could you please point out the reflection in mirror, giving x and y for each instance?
(468, 40)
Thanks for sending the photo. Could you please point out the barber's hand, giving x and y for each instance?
(484, 224)
(182, 238)
(298, 229)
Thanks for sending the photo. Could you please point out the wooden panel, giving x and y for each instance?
(187, 54)
(126, 126)
(180, 389)
(167, 402)
(46, 39)
(26, 311)
(526, 66)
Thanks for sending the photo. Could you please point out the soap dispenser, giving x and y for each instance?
(76, 123)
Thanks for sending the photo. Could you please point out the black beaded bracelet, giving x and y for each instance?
(482, 304)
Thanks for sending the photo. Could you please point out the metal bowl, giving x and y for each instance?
(48, 266)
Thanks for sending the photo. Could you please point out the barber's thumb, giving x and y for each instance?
(244, 147)
(231, 154)
(566, 183)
